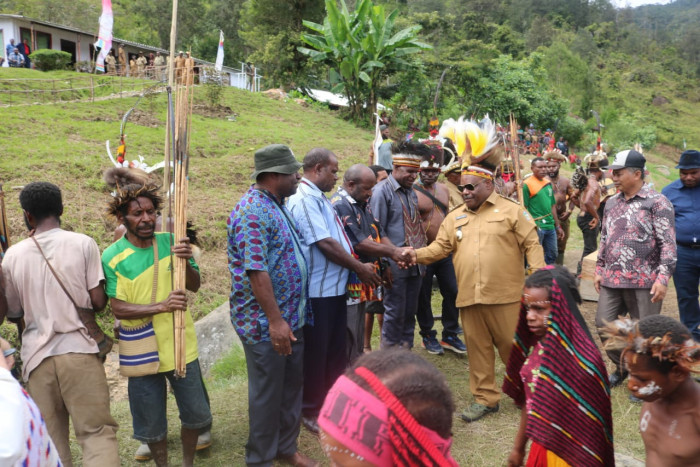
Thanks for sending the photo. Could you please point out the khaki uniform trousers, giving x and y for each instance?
(486, 327)
(75, 385)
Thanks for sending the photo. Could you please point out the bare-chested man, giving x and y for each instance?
(433, 202)
(589, 201)
(562, 195)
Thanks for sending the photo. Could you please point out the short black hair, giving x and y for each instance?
(542, 279)
(536, 160)
(42, 200)
(420, 387)
(317, 156)
(376, 169)
(662, 326)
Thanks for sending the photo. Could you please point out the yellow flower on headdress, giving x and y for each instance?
(456, 131)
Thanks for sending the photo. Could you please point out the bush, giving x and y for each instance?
(48, 59)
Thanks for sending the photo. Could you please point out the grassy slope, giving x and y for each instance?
(64, 144)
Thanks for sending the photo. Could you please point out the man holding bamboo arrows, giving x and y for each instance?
(138, 273)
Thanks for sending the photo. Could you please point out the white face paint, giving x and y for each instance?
(650, 389)
(644, 422)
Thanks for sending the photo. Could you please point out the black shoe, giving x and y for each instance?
(617, 378)
(310, 423)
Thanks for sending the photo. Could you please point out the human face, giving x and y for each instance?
(553, 168)
(287, 184)
(482, 189)
(596, 172)
(626, 181)
(539, 169)
(428, 176)
(381, 175)
(453, 177)
(361, 190)
(646, 382)
(327, 175)
(140, 218)
(690, 177)
(538, 308)
(405, 176)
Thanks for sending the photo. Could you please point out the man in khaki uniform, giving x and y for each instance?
(141, 65)
(159, 64)
(122, 60)
(179, 64)
(452, 179)
(489, 237)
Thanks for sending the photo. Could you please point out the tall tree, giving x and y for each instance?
(361, 48)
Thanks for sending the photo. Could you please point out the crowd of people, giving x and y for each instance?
(311, 271)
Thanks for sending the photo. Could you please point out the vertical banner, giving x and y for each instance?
(104, 38)
(220, 53)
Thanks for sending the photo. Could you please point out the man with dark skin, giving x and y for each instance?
(432, 213)
(538, 195)
(589, 203)
(562, 195)
(139, 219)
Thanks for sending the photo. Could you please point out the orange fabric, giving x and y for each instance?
(535, 185)
(541, 457)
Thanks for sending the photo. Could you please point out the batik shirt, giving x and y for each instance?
(637, 241)
(262, 236)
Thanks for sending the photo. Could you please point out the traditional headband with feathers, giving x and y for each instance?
(475, 142)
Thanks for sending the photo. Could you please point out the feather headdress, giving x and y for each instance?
(475, 142)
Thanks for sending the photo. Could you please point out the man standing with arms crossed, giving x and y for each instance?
(637, 253)
(64, 375)
(433, 201)
(331, 258)
(269, 306)
(684, 194)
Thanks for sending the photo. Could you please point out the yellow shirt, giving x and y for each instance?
(489, 259)
(455, 195)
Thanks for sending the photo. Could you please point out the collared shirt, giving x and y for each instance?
(262, 237)
(358, 220)
(686, 205)
(540, 204)
(384, 157)
(637, 241)
(456, 198)
(15, 59)
(387, 204)
(316, 220)
(489, 246)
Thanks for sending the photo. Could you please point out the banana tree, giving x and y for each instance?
(361, 49)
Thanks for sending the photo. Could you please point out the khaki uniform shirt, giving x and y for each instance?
(455, 195)
(489, 258)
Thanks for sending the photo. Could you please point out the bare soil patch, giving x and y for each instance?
(213, 111)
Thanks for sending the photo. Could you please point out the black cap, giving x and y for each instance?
(628, 158)
(690, 159)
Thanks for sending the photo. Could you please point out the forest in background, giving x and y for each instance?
(548, 61)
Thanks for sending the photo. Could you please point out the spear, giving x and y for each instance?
(516, 159)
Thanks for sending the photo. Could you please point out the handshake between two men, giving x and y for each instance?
(404, 257)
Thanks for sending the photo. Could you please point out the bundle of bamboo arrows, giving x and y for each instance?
(177, 150)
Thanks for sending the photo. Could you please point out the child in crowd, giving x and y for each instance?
(660, 355)
(391, 408)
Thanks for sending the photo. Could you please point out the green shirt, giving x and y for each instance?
(129, 277)
(540, 206)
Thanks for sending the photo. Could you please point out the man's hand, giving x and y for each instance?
(408, 255)
(594, 223)
(281, 336)
(564, 216)
(183, 249)
(399, 259)
(560, 233)
(658, 292)
(177, 300)
(367, 274)
(516, 458)
(387, 278)
(596, 282)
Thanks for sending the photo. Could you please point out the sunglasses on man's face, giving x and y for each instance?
(469, 186)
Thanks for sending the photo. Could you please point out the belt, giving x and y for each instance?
(694, 246)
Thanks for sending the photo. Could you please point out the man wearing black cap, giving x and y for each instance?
(269, 306)
(684, 194)
(637, 253)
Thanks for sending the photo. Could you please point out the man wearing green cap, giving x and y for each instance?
(269, 306)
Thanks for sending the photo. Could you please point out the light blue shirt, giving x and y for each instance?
(316, 220)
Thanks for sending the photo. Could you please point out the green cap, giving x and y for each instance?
(276, 158)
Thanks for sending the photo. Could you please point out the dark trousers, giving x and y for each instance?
(613, 303)
(400, 304)
(274, 400)
(445, 272)
(590, 238)
(548, 240)
(325, 351)
(687, 278)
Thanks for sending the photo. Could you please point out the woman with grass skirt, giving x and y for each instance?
(556, 374)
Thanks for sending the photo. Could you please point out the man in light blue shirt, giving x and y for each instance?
(331, 260)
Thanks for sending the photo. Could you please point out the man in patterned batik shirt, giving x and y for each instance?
(269, 306)
(637, 253)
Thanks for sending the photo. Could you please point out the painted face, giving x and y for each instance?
(539, 307)
(645, 382)
(405, 176)
(553, 168)
(690, 177)
(140, 218)
(429, 175)
(339, 454)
